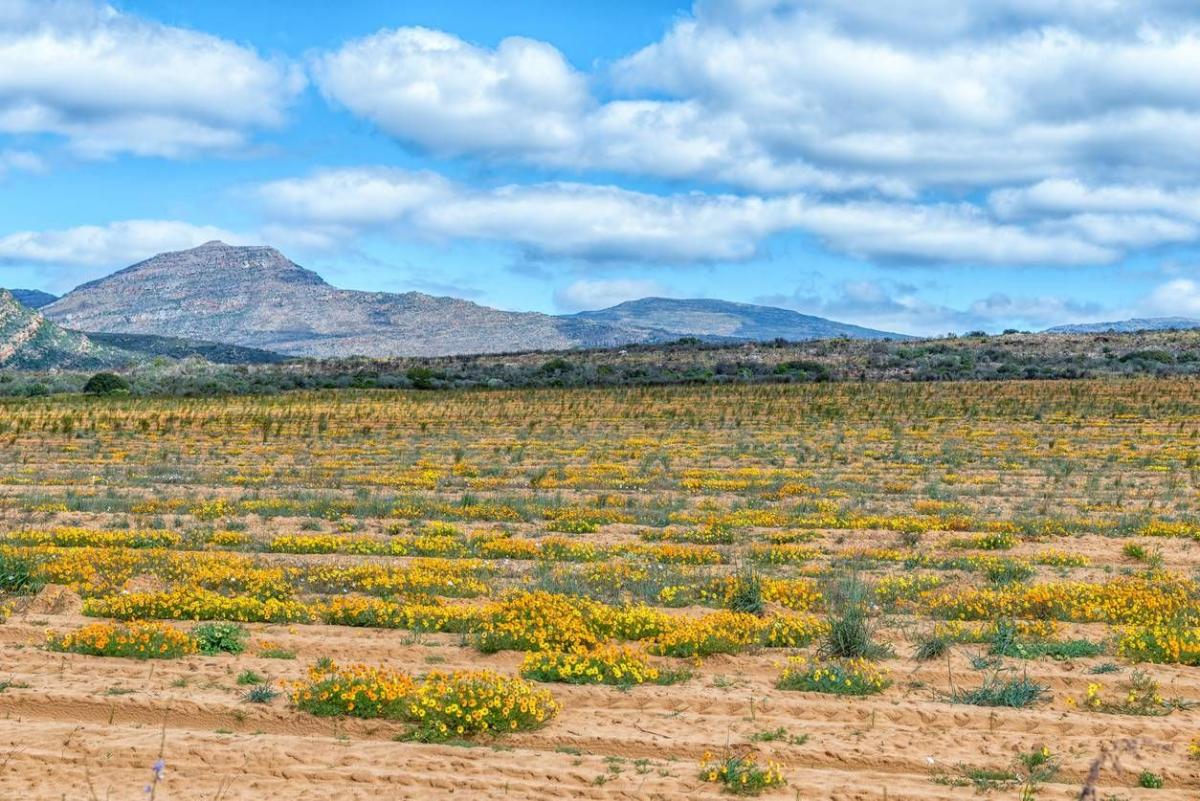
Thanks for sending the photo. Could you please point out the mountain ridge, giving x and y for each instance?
(33, 298)
(254, 296)
(30, 341)
(729, 319)
(1129, 325)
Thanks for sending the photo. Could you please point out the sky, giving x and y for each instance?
(921, 167)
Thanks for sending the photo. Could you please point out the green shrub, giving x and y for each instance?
(1015, 693)
(747, 594)
(17, 574)
(106, 384)
(220, 638)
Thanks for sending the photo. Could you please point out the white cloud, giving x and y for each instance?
(355, 196)
(113, 245)
(12, 160)
(1068, 196)
(110, 82)
(894, 306)
(943, 233)
(826, 96)
(444, 94)
(1177, 298)
(600, 293)
(608, 223)
(844, 86)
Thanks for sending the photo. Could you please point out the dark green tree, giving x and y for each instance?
(106, 384)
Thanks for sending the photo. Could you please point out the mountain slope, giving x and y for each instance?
(1123, 326)
(255, 297)
(28, 341)
(724, 319)
(150, 346)
(33, 298)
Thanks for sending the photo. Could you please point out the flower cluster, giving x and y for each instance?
(741, 774)
(137, 639)
(621, 666)
(439, 706)
(839, 677)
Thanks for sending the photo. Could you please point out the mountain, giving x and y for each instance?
(33, 298)
(722, 319)
(255, 297)
(28, 341)
(1123, 326)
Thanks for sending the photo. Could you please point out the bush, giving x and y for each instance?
(420, 377)
(16, 573)
(1150, 780)
(220, 638)
(1016, 693)
(851, 631)
(106, 384)
(934, 646)
(260, 694)
(747, 595)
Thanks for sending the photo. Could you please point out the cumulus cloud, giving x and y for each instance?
(827, 96)
(1177, 298)
(599, 293)
(1069, 196)
(113, 245)
(110, 82)
(442, 93)
(845, 85)
(354, 196)
(859, 123)
(608, 223)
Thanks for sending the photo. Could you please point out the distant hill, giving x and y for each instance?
(1124, 326)
(28, 341)
(722, 319)
(33, 298)
(255, 297)
(149, 345)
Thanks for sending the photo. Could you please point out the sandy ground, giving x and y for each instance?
(89, 727)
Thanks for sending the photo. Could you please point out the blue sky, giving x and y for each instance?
(933, 167)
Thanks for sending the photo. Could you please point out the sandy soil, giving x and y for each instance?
(89, 727)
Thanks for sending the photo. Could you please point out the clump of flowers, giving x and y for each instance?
(137, 639)
(839, 677)
(189, 603)
(359, 691)
(740, 773)
(470, 702)
(622, 667)
(1140, 696)
(539, 621)
(1168, 643)
(440, 706)
(717, 633)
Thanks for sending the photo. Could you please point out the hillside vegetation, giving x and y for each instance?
(688, 361)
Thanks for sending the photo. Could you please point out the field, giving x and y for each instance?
(809, 591)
